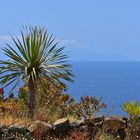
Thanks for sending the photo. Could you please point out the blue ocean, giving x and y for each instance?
(116, 82)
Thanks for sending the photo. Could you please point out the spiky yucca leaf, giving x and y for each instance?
(132, 108)
(35, 55)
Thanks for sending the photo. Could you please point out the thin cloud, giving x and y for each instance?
(64, 42)
(5, 38)
(73, 43)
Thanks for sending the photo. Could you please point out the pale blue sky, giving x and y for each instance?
(90, 29)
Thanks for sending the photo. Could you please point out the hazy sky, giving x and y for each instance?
(90, 29)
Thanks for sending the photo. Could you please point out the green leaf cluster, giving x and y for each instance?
(35, 55)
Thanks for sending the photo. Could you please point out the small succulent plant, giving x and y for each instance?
(132, 109)
(88, 106)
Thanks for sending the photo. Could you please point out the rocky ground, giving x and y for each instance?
(100, 128)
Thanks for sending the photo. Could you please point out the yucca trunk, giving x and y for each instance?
(31, 99)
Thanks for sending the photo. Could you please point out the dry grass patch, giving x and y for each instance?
(9, 120)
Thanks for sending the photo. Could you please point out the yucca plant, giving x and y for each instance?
(132, 108)
(34, 56)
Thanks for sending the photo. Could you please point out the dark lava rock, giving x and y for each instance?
(39, 124)
(115, 127)
(98, 121)
(86, 130)
(114, 123)
(17, 129)
(79, 122)
(61, 126)
(40, 129)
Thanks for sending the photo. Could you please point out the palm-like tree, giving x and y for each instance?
(34, 56)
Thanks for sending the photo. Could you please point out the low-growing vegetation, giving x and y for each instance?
(43, 110)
